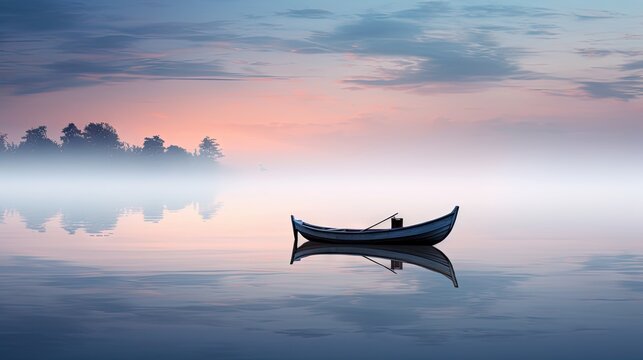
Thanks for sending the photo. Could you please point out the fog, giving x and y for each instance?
(94, 202)
(553, 200)
(539, 179)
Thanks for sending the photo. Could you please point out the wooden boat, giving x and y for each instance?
(426, 233)
(425, 256)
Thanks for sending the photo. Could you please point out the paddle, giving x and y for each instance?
(367, 258)
(380, 222)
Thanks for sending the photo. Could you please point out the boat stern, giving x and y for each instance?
(294, 232)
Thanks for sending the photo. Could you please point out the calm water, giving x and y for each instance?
(201, 270)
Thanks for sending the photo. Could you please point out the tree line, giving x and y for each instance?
(102, 139)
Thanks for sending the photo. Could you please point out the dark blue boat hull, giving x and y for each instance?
(427, 233)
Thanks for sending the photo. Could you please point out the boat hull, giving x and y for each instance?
(427, 233)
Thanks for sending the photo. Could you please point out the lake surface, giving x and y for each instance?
(200, 270)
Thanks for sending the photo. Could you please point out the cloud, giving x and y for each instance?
(540, 33)
(371, 27)
(597, 53)
(594, 53)
(272, 43)
(503, 28)
(75, 73)
(40, 15)
(189, 31)
(67, 52)
(97, 44)
(636, 65)
(596, 15)
(491, 11)
(32, 83)
(49, 46)
(307, 13)
(469, 58)
(451, 67)
(425, 10)
(547, 30)
(625, 89)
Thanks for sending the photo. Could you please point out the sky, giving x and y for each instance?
(328, 82)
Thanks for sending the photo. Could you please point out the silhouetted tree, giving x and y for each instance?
(132, 149)
(153, 145)
(99, 139)
(72, 138)
(177, 152)
(4, 143)
(209, 148)
(36, 140)
(102, 136)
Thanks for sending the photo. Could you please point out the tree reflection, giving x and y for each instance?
(97, 208)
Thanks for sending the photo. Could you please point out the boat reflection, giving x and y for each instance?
(425, 256)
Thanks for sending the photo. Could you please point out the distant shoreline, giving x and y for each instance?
(98, 148)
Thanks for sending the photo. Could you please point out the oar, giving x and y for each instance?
(367, 258)
(385, 267)
(380, 222)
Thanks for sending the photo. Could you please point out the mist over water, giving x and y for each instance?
(95, 206)
(102, 266)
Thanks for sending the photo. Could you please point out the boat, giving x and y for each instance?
(425, 256)
(426, 233)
